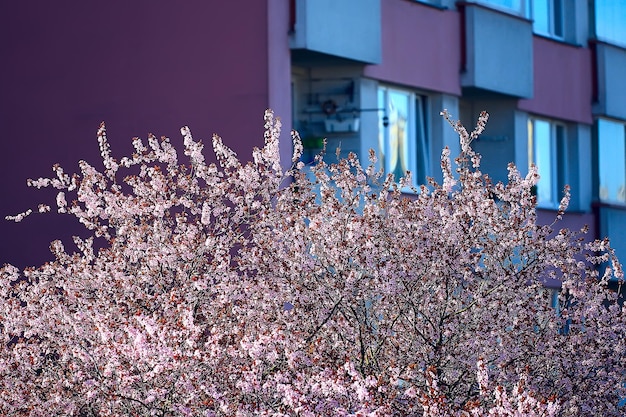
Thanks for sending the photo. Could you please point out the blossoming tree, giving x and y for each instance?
(239, 289)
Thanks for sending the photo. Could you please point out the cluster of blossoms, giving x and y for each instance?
(241, 289)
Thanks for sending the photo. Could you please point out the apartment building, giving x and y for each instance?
(551, 73)
(361, 73)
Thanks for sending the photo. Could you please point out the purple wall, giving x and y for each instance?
(563, 82)
(420, 47)
(141, 66)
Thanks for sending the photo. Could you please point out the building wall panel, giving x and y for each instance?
(562, 82)
(611, 79)
(498, 52)
(420, 47)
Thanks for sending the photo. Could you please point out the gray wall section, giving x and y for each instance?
(499, 52)
(611, 67)
(441, 133)
(520, 120)
(348, 28)
(369, 119)
(497, 144)
(612, 221)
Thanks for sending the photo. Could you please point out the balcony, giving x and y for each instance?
(609, 80)
(497, 52)
(329, 31)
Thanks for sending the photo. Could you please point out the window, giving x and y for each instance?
(610, 16)
(547, 17)
(402, 134)
(517, 7)
(546, 142)
(611, 161)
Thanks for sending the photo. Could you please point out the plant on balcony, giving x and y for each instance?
(239, 289)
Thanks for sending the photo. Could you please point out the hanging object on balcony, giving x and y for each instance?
(329, 107)
(350, 124)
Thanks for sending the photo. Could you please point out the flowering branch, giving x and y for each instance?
(235, 288)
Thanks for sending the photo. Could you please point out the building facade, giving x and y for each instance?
(551, 73)
(361, 73)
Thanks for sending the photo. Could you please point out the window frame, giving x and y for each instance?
(551, 18)
(521, 10)
(417, 133)
(599, 28)
(620, 195)
(557, 143)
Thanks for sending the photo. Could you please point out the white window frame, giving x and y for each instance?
(554, 7)
(555, 172)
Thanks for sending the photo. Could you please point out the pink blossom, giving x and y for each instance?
(248, 289)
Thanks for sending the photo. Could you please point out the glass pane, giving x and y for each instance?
(559, 161)
(541, 17)
(398, 147)
(547, 17)
(610, 17)
(512, 5)
(543, 159)
(558, 18)
(611, 161)
(383, 118)
(422, 168)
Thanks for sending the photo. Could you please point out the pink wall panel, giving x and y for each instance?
(420, 47)
(562, 82)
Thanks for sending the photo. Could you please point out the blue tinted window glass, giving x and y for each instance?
(610, 16)
(514, 6)
(541, 16)
(544, 159)
(611, 161)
